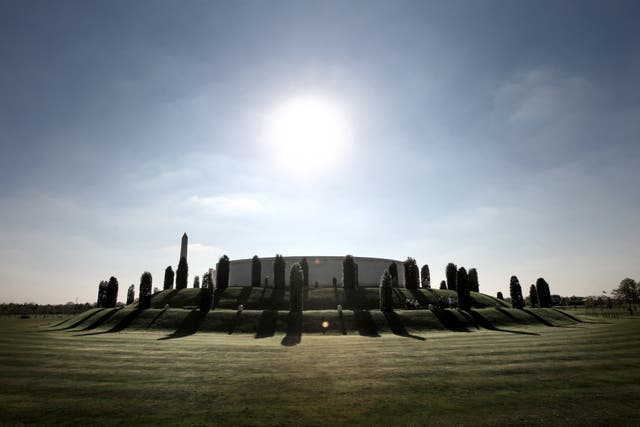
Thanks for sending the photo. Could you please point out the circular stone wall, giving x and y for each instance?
(322, 270)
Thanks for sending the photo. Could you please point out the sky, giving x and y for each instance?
(500, 135)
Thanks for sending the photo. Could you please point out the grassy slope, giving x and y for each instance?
(580, 375)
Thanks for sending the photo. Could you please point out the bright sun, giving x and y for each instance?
(308, 134)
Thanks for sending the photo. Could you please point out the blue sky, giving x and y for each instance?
(501, 135)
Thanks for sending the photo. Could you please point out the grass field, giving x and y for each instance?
(582, 374)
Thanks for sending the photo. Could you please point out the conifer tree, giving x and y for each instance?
(131, 294)
(500, 296)
(533, 296)
(516, 293)
(443, 285)
(305, 270)
(278, 272)
(473, 280)
(206, 280)
(168, 278)
(425, 277)
(206, 298)
(411, 276)
(112, 293)
(451, 273)
(256, 271)
(196, 282)
(462, 287)
(222, 272)
(182, 274)
(296, 283)
(102, 294)
(544, 293)
(144, 295)
(393, 272)
(349, 272)
(386, 292)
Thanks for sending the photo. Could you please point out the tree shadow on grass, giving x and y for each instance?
(235, 322)
(77, 322)
(189, 325)
(267, 324)
(100, 320)
(294, 329)
(422, 299)
(243, 298)
(365, 324)
(538, 318)
(486, 323)
(397, 327)
(156, 317)
(123, 323)
(343, 326)
(506, 313)
(449, 321)
(469, 318)
(575, 319)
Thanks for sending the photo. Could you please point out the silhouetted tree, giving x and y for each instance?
(278, 272)
(516, 293)
(206, 280)
(256, 271)
(349, 272)
(168, 278)
(355, 274)
(206, 298)
(473, 280)
(112, 293)
(131, 294)
(411, 274)
(451, 273)
(182, 274)
(222, 272)
(462, 285)
(386, 292)
(443, 284)
(627, 291)
(544, 293)
(393, 271)
(500, 296)
(196, 282)
(533, 296)
(305, 270)
(425, 277)
(296, 283)
(144, 295)
(334, 282)
(102, 294)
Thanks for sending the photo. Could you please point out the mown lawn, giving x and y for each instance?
(583, 374)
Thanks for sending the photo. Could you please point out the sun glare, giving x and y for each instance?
(308, 134)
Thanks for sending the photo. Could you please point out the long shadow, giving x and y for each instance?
(217, 296)
(469, 318)
(486, 323)
(422, 299)
(397, 327)
(157, 317)
(189, 325)
(401, 298)
(80, 321)
(99, 321)
(262, 296)
(343, 327)
(506, 313)
(267, 324)
(449, 321)
(244, 296)
(294, 329)
(365, 324)
(539, 318)
(277, 299)
(161, 304)
(568, 315)
(235, 322)
(123, 323)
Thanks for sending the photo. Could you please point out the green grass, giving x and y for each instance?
(580, 374)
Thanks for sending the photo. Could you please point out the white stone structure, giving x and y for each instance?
(322, 269)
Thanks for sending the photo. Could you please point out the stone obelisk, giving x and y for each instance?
(183, 246)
